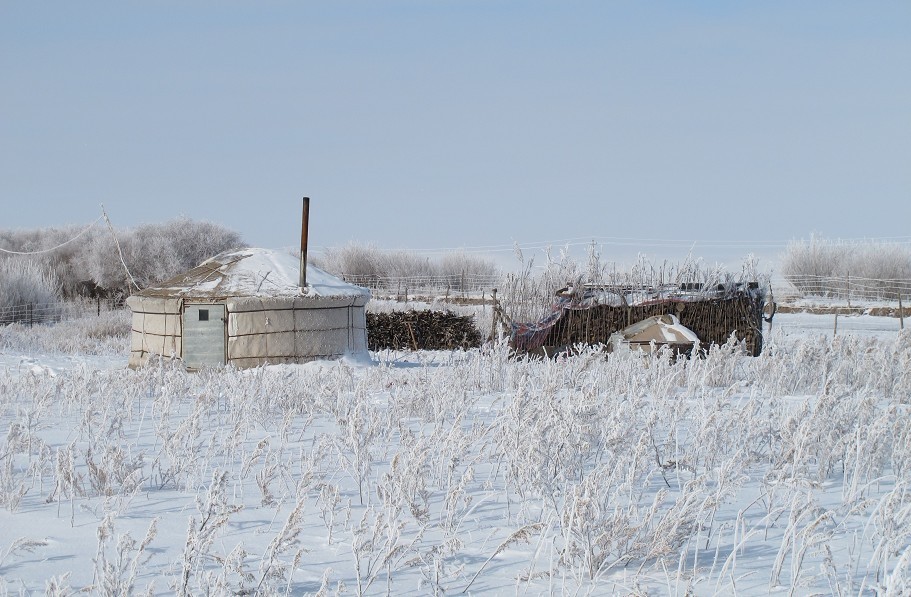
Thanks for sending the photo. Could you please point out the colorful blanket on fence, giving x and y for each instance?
(531, 336)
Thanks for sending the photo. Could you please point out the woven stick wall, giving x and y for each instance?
(712, 319)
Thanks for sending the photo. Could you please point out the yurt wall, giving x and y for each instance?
(157, 328)
(277, 330)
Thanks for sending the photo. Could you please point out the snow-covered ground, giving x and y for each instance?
(460, 473)
(850, 325)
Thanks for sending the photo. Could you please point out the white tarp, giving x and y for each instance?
(658, 330)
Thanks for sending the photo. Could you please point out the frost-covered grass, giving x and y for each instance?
(107, 333)
(467, 472)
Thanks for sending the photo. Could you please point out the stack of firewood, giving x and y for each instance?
(421, 330)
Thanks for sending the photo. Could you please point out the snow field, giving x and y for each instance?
(465, 472)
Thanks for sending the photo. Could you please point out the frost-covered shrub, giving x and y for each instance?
(366, 261)
(67, 251)
(154, 252)
(151, 252)
(368, 264)
(98, 261)
(816, 257)
(834, 268)
(159, 251)
(60, 261)
(456, 265)
(28, 291)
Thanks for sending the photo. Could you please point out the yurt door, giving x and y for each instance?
(203, 335)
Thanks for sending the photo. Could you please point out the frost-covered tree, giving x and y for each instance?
(151, 252)
(26, 288)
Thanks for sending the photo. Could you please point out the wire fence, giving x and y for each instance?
(37, 313)
(845, 287)
(427, 284)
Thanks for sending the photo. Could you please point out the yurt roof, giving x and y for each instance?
(253, 272)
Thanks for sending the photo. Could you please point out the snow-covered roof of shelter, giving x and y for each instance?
(253, 272)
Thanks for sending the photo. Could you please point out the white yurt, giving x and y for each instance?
(245, 308)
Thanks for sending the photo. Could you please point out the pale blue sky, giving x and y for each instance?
(434, 124)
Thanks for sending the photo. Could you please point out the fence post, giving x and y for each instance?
(849, 290)
(496, 317)
(98, 306)
(901, 312)
(30, 312)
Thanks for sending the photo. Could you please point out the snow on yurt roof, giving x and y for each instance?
(253, 272)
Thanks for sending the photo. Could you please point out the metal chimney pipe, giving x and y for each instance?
(305, 224)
